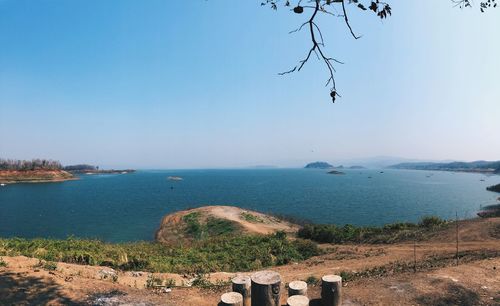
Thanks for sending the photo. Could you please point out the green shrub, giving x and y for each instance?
(212, 227)
(430, 222)
(312, 280)
(346, 276)
(217, 226)
(193, 226)
(47, 265)
(2, 263)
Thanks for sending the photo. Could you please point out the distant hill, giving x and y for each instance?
(476, 166)
(318, 165)
(356, 167)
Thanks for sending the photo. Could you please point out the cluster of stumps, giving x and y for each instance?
(264, 289)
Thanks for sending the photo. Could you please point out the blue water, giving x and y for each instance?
(129, 207)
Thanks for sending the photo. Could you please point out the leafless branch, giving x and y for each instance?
(316, 47)
(347, 21)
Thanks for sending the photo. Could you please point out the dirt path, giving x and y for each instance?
(264, 225)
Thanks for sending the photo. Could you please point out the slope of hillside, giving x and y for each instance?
(207, 221)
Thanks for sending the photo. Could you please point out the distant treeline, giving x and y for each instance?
(34, 164)
(48, 164)
(82, 167)
(453, 166)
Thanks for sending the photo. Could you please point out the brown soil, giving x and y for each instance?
(34, 176)
(381, 275)
(172, 227)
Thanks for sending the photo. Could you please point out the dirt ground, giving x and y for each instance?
(376, 275)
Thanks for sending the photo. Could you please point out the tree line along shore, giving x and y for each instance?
(46, 170)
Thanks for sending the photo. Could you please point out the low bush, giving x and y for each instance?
(430, 222)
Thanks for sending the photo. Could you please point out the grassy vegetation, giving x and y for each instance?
(312, 280)
(390, 233)
(223, 253)
(210, 228)
(47, 265)
(2, 263)
(251, 217)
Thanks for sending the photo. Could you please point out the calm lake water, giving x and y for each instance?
(129, 207)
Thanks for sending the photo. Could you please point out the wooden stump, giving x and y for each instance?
(297, 300)
(231, 299)
(242, 284)
(331, 290)
(266, 287)
(297, 288)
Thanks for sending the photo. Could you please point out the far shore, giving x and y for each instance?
(35, 176)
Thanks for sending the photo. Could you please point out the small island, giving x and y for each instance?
(336, 172)
(318, 165)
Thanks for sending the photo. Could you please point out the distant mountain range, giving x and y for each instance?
(380, 162)
(476, 166)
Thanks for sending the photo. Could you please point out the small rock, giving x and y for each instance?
(107, 274)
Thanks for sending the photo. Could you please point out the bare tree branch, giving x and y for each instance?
(381, 9)
(347, 21)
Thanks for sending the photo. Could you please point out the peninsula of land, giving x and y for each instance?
(34, 176)
(45, 171)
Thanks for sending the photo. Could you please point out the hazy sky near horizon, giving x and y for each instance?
(194, 84)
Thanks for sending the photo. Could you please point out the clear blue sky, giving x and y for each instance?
(188, 84)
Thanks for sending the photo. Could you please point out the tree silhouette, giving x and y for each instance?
(337, 8)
